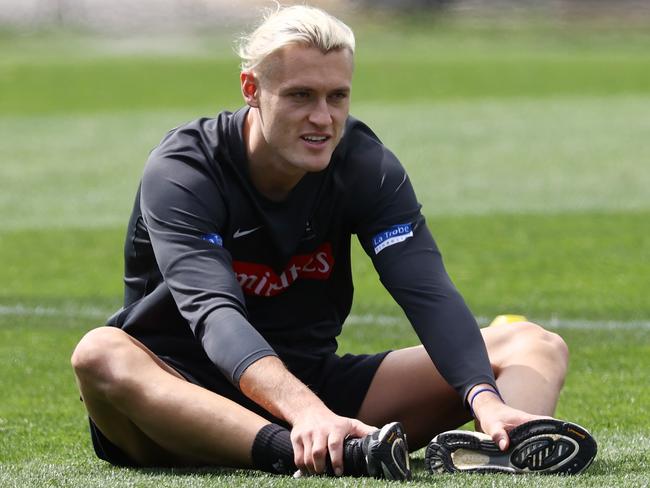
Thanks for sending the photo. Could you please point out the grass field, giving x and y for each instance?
(528, 146)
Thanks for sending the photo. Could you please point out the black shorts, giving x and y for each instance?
(340, 381)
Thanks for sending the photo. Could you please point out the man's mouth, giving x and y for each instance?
(313, 139)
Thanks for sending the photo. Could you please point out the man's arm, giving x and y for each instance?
(413, 272)
(385, 214)
(386, 217)
(316, 429)
(182, 207)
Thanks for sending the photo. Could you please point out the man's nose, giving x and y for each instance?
(320, 115)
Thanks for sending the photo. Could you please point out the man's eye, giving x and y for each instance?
(339, 96)
(299, 95)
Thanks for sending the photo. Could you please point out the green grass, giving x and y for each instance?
(527, 263)
(417, 62)
(464, 157)
(527, 145)
(44, 440)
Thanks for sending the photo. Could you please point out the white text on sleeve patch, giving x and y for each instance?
(393, 235)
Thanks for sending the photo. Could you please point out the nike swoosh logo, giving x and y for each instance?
(241, 233)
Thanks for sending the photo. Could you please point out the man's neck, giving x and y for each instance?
(268, 175)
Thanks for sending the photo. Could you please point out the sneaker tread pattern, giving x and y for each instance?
(543, 446)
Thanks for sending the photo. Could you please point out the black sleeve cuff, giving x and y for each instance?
(477, 381)
(232, 343)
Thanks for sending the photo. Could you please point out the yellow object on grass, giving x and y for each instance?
(507, 319)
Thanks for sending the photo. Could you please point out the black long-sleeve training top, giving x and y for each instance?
(207, 254)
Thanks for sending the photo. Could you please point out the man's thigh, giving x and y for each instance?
(408, 388)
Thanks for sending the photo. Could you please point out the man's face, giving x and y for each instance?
(303, 97)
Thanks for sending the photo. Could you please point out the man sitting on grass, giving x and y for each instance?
(238, 282)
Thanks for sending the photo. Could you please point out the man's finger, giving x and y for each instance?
(308, 460)
(298, 454)
(335, 448)
(319, 453)
(359, 429)
(500, 438)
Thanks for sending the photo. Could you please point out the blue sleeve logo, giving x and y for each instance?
(213, 238)
(393, 235)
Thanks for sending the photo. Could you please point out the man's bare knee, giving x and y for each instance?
(548, 342)
(527, 338)
(559, 348)
(95, 348)
(96, 359)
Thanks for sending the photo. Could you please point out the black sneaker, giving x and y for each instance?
(382, 454)
(545, 446)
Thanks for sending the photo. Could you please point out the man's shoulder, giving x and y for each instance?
(362, 151)
(357, 131)
(203, 140)
(210, 131)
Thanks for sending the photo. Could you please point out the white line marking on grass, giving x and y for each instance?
(43, 311)
(354, 319)
(374, 319)
(560, 323)
(553, 323)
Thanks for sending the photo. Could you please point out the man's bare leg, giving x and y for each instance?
(144, 407)
(529, 364)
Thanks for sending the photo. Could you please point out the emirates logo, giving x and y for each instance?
(261, 280)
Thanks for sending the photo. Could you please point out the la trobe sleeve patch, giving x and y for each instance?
(392, 235)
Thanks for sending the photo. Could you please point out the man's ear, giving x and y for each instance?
(249, 88)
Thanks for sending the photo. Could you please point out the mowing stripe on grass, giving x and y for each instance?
(552, 323)
(463, 157)
(45, 311)
(354, 319)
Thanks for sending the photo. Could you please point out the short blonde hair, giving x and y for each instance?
(298, 24)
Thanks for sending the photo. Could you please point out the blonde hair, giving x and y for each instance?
(298, 24)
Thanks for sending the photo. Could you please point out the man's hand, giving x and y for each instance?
(318, 431)
(495, 418)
